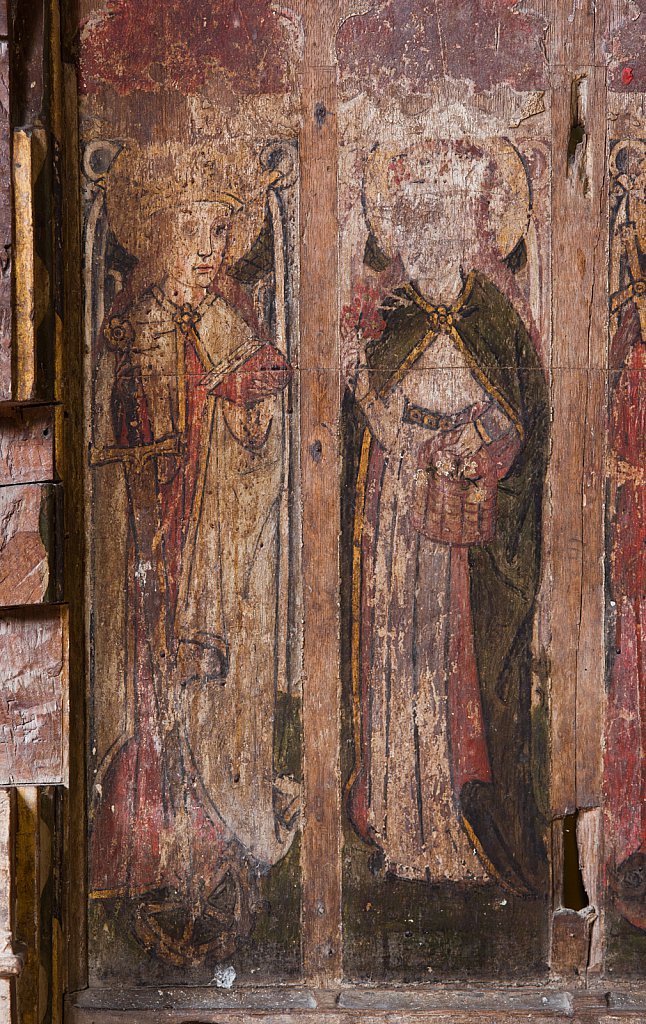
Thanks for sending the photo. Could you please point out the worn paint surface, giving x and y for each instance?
(33, 713)
(445, 346)
(191, 273)
(625, 784)
(471, 488)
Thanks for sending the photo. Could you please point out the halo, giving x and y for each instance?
(147, 183)
(511, 215)
(497, 158)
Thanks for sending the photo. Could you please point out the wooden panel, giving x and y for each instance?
(26, 445)
(468, 139)
(33, 681)
(445, 238)
(30, 547)
(625, 754)
(10, 963)
(320, 469)
(33, 340)
(37, 912)
(194, 384)
(578, 122)
(5, 217)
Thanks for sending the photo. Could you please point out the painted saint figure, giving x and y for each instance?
(190, 393)
(625, 747)
(447, 431)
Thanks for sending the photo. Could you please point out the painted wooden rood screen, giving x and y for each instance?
(341, 334)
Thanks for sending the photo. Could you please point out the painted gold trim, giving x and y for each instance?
(493, 871)
(438, 326)
(410, 359)
(479, 425)
(181, 381)
(357, 538)
(120, 891)
(449, 327)
(486, 383)
(429, 308)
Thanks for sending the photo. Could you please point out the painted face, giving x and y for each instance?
(201, 234)
(436, 209)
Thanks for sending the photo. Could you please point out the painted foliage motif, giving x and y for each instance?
(625, 788)
(444, 329)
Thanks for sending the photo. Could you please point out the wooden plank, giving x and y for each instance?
(591, 644)
(28, 921)
(326, 1016)
(24, 359)
(320, 474)
(31, 277)
(590, 845)
(35, 869)
(578, 147)
(5, 220)
(11, 963)
(231, 831)
(33, 683)
(26, 445)
(433, 100)
(71, 455)
(31, 545)
(7, 840)
(28, 59)
(625, 753)
(506, 1006)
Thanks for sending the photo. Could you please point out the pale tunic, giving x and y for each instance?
(230, 586)
(413, 810)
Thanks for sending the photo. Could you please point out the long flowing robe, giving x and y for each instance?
(441, 633)
(625, 748)
(195, 407)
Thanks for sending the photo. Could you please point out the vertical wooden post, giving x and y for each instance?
(5, 210)
(321, 859)
(579, 389)
(578, 372)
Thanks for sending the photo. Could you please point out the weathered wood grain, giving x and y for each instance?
(26, 445)
(77, 527)
(30, 544)
(572, 594)
(5, 217)
(33, 685)
(392, 1007)
(320, 473)
(578, 188)
(624, 820)
(29, 61)
(212, 468)
(11, 962)
(28, 920)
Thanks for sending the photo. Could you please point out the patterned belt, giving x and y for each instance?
(430, 420)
